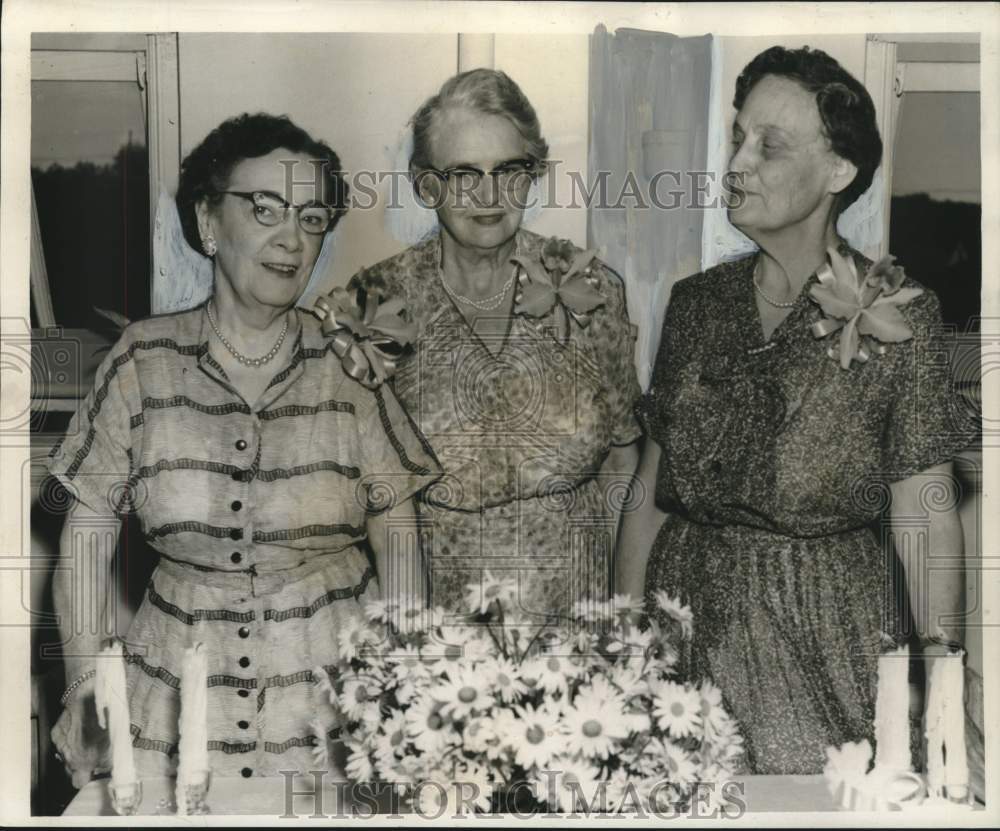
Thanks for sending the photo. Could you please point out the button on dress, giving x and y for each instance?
(258, 515)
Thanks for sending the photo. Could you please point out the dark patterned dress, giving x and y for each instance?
(258, 516)
(775, 471)
(521, 435)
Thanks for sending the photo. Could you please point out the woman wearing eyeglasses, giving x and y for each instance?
(253, 463)
(526, 405)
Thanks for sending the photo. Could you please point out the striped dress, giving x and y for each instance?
(258, 515)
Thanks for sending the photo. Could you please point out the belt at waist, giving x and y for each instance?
(735, 531)
(254, 582)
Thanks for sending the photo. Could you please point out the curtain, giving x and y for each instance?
(649, 107)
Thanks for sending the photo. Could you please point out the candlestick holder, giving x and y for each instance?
(126, 798)
(195, 792)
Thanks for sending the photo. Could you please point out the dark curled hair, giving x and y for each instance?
(844, 105)
(207, 168)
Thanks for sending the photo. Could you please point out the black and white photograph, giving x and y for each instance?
(447, 410)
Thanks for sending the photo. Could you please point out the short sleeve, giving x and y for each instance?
(397, 461)
(615, 337)
(93, 461)
(928, 422)
(651, 407)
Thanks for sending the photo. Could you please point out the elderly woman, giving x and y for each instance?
(250, 457)
(779, 431)
(524, 394)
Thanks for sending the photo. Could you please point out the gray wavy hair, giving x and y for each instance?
(486, 91)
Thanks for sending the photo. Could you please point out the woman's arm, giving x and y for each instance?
(935, 579)
(936, 582)
(80, 591)
(640, 526)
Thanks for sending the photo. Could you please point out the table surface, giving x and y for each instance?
(266, 796)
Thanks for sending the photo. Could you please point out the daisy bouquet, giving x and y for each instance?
(591, 717)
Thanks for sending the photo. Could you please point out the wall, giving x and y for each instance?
(347, 89)
(358, 91)
(552, 70)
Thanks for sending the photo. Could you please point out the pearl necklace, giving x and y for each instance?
(487, 304)
(243, 359)
(778, 304)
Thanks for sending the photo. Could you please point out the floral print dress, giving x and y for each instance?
(775, 470)
(521, 431)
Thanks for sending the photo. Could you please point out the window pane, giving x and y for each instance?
(935, 214)
(90, 171)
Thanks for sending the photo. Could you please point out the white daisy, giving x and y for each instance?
(406, 771)
(538, 737)
(585, 642)
(504, 678)
(407, 663)
(474, 784)
(411, 616)
(551, 671)
(531, 673)
(635, 717)
(677, 708)
(360, 693)
(603, 692)
(426, 726)
(506, 728)
(353, 636)
(359, 765)
(629, 679)
(673, 608)
(378, 609)
(324, 684)
(713, 716)
(390, 742)
(569, 783)
(624, 605)
(481, 594)
(463, 693)
(455, 644)
(478, 734)
(679, 764)
(321, 749)
(592, 727)
(436, 796)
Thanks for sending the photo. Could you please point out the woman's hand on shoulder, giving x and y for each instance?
(81, 743)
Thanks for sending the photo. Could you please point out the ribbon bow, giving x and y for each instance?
(856, 788)
(865, 309)
(558, 281)
(369, 336)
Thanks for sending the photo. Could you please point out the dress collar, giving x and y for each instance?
(284, 377)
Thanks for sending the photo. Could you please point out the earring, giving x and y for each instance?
(208, 243)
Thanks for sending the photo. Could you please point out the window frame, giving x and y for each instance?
(149, 60)
(899, 63)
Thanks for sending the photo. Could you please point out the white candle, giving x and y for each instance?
(193, 749)
(892, 711)
(956, 764)
(934, 728)
(111, 699)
